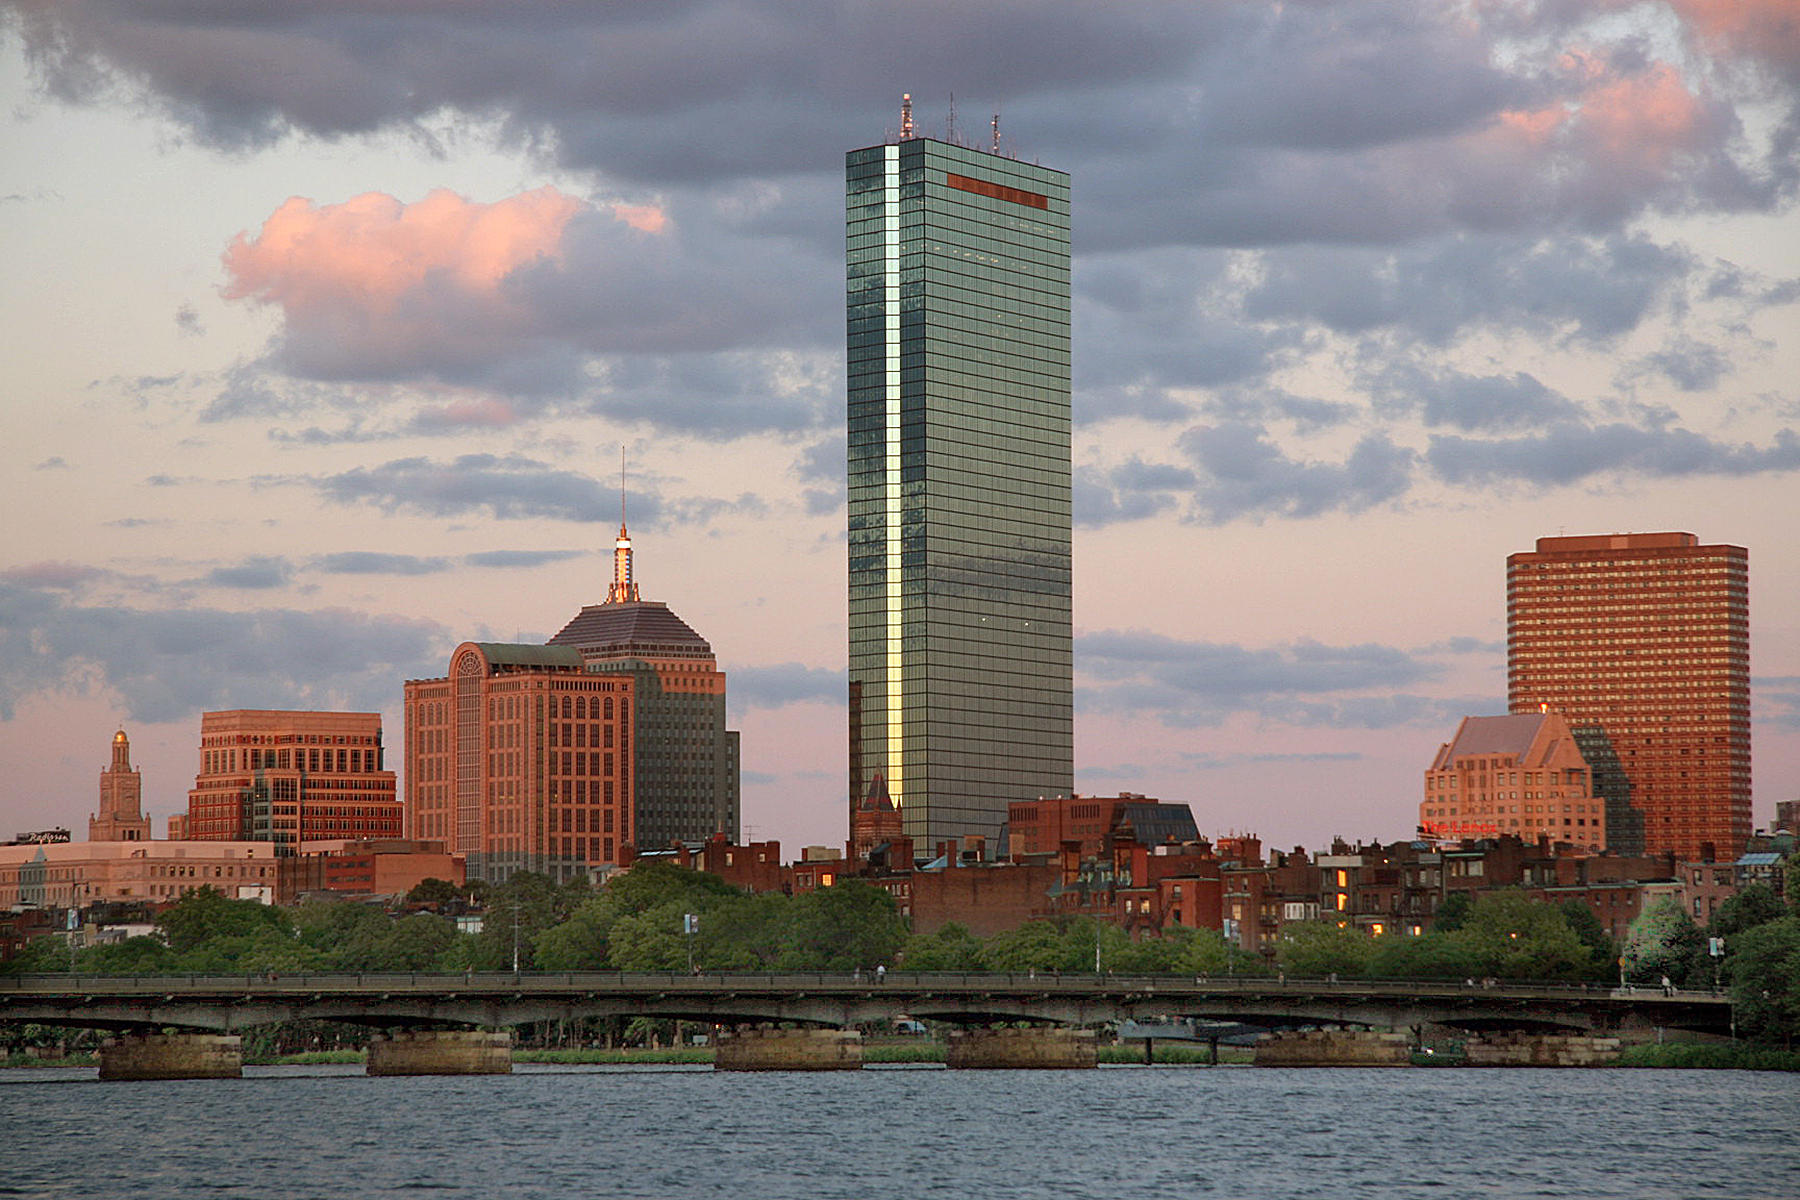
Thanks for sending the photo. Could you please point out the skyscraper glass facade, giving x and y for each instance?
(958, 432)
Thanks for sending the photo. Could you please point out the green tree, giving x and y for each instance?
(1430, 955)
(1508, 935)
(205, 914)
(950, 947)
(1320, 948)
(419, 942)
(432, 891)
(1765, 980)
(1755, 905)
(848, 925)
(1662, 942)
(1586, 923)
(1452, 913)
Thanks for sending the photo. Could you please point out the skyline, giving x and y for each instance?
(323, 354)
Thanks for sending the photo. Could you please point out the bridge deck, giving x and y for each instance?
(230, 1002)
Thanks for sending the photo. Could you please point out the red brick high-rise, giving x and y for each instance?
(1642, 641)
(521, 760)
(268, 775)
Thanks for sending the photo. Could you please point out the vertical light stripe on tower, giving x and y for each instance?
(890, 298)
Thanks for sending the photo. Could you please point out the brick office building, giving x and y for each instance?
(521, 759)
(1519, 774)
(283, 777)
(686, 761)
(1642, 641)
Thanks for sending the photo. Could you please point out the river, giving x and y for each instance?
(562, 1133)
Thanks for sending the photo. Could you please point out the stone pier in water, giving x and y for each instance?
(172, 1056)
(1056, 1048)
(1520, 1049)
(789, 1050)
(441, 1052)
(1335, 1048)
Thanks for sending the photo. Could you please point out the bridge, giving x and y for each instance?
(496, 1000)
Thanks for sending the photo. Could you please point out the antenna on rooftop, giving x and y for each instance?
(906, 122)
(621, 485)
(950, 121)
(995, 123)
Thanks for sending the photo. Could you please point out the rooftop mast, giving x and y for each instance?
(624, 587)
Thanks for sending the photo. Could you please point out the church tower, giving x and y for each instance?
(121, 817)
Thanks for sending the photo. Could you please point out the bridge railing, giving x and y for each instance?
(1015, 982)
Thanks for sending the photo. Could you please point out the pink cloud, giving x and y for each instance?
(373, 249)
(1765, 29)
(481, 413)
(1625, 124)
(645, 218)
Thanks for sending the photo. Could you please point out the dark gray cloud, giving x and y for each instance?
(1569, 285)
(371, 562)
(1220, 123)
(1472, 403)
(1690, 365)
(781, 684)
(507, 487)
(1572, 451)
(1244, 473)
(257, 573)
(519, 559)
(1194, 683)
(63, 576)
(514, 487)
(171, 665)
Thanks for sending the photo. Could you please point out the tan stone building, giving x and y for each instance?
(1521, 775)
(77, 874)
(121, 816)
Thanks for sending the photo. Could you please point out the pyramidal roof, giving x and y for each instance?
(631, 628)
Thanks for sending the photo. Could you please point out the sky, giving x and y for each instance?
(325, 323)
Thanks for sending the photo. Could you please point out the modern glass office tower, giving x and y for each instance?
(958, 429)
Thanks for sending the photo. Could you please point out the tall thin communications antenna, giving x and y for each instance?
(906, 121)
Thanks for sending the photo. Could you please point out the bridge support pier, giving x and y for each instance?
(789, 1050)
(1517, 1048)
(440, 1052)
(1335, 1048)
(1055, 1048)
(172, 1056)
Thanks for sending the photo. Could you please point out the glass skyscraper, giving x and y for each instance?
(958, 431)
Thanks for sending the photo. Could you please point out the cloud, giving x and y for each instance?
(55, 462)
(1469, 402)
(375, 287)
(1690, 365)
(256, 573)
(1192, 683)
(369, 562)
(512, 487)
(519, 559)
(63, 576)
(781, 684)
(1246, 474)
(169, 665)
(1573, 451)
(1591, 289)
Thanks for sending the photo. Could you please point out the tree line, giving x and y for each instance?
(659, 917)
